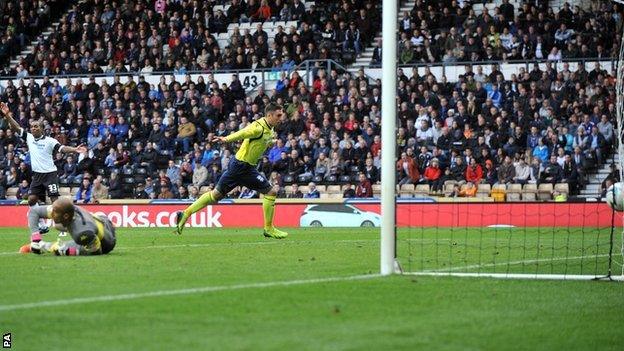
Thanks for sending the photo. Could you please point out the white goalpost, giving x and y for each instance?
(534, 251)
(388, 135)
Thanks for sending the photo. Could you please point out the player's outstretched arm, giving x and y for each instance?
(69, 149)
(6, 113)
(35, 214)
(253, 130)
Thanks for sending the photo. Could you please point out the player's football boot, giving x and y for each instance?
(43, 229)
(179, 223)
(275, 233)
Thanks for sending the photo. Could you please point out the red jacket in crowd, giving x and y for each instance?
(474, 174)
(364, 189)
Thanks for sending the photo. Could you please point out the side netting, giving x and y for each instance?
(510, 240)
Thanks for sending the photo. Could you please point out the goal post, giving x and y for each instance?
(569, 242)
(388, 135)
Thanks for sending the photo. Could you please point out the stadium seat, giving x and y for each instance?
(141, 170)
(529, 197)
(483, 190)
(317, 179)
(304, 189)
(333, 189)
(288, 189)
(449, 186)
(529, 192)
(331, 179)
(407, 188)
(12, 192)
(344, 179)
(325, 195)
(288, 179)
(422, 190)
(304, 178)
(563, 188)
(545, 191)
(406, 194)
(321, 188)
(64, 191)
(129, 180)
(513, 192)
(74, 191)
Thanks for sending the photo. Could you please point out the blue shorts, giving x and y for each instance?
(243, 174)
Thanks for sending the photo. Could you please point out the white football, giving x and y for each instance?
(614, 197)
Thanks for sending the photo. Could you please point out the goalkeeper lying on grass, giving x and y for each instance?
(257, 137)
(92, 235)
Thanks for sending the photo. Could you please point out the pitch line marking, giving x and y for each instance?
(512, 263)
(190, 291)
(258, 243)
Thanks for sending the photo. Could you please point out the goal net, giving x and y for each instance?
(509, 240)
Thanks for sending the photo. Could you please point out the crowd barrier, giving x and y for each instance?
(351, 214)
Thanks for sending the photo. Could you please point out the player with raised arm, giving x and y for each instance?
(91, 234)
(42, 150)
(257, 137)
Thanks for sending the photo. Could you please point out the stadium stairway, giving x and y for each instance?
(593, 189)
(367, 54)
(45, 34)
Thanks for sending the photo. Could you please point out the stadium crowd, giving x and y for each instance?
(22, 21)
(106, 36)
(534, 126)
(441, 32)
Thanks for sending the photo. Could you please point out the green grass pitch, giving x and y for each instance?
(227, 289)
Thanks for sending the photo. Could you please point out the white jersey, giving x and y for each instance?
(42, 152)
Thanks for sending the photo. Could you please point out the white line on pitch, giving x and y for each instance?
(258, 243)
(190, 291)
(512, 263)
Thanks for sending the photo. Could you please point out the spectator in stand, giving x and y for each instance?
(99, 191)
(200, 175)
(522, 172)
(140, 193)
(468, 190)
(312, 193)
(348, 192)
(433, 176)
(186, 133)
(474, 172)
(165, 190)
(552, 172)
(115, 189)
(408, 171)
(296, 193)
(506, 171)
(491, 174)
(83, 196)
(364, 188)
(23, 190)
(69, 170)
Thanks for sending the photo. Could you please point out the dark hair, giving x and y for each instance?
(272, 107)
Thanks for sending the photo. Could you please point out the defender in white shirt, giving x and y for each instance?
(42, 150)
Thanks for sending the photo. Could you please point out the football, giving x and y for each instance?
(614, 197)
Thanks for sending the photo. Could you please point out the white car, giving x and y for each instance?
(335, 215)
